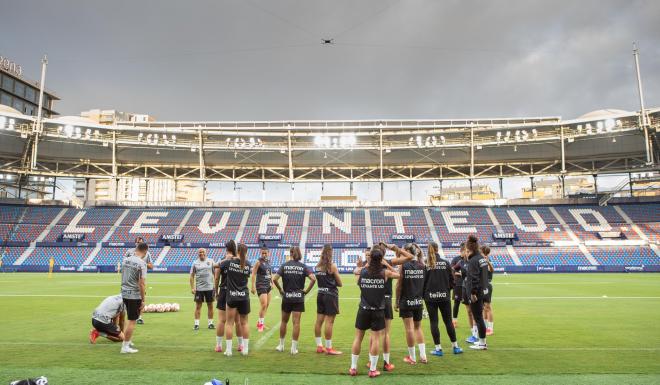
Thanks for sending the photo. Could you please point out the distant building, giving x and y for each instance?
(22, 94)
(551, 188)
(139, 190)
(114, 116)
(479, 192)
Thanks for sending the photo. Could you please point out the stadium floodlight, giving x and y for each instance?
(388, 150)
(589, 130)
(3, 121)
(599, 126)
(535, 132)
(173, 139)
(282, 150)
(613, 139)
(418, 140)
(619, 123)
(68, 130)
(443, 152)
(515, 148)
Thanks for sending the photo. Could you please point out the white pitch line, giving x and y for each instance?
(254, 299)
(205, 348)
(275, 327)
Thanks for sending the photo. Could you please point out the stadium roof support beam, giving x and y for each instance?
(202, 169)
(288, 141)
(642, 110)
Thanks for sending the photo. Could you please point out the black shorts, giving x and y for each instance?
(458, 293)
(389, 311)
(489, 296)
(414, 313)
(109, 329)
(132, 308)
(222, 300)
(370, 319)
(204, 296)
(263, 290)
(466, 297)
(288, 307)
(243, 307)
(327, 304)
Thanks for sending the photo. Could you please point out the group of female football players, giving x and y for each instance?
(422, 281)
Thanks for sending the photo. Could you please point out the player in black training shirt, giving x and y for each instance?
(456, 265)
(327, 300)
(409, 303)
(488, 308)
(237, 271)
(438, 282)
(476, 286)
(261, 284)
(400, 257)
(220, 287)
(293, 273)
(371, 311)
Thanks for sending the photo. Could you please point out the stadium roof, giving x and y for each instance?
(604, 141)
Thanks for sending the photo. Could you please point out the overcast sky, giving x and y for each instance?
(263, 60)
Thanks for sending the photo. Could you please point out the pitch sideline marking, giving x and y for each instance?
(306, 298)
(270, 333)
(169, 346)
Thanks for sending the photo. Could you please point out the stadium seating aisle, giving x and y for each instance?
(534, 230)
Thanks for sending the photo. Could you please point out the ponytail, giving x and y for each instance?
(432, 255)
(325, 262)
(242, 254)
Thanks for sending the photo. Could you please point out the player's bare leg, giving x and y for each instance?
(283, 324)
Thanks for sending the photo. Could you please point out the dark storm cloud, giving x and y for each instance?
(257, 59)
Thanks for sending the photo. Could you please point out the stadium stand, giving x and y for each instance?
(566, 237)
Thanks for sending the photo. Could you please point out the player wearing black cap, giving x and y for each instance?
(476, 285)
(237, 271)
(293, 273)
(371, 315)
(437, 291)
(261, 284)
(327, 300)
(409, 302)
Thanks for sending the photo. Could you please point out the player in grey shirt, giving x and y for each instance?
(133, 288)
(108, 320)
(148, 260)
(201, 285)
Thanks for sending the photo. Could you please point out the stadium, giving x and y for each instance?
(569, 210)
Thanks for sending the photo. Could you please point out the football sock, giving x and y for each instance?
(210, 321)
(218, 341)
(438, 347)
(105, 335)
(454, 344)
(294, 345)
(328, 344)
(373, 362)
(422, 351)
(411, 353)
(282, 342)
(482, 341)
(229, 343)
(318, 341)
(354, 360)
(246, 345)
(240, 341)
(261, 321)
(386, 358)
(196, 322)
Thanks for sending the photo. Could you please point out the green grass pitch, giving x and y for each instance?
(552, 328)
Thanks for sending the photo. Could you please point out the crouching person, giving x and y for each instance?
(108, 320)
